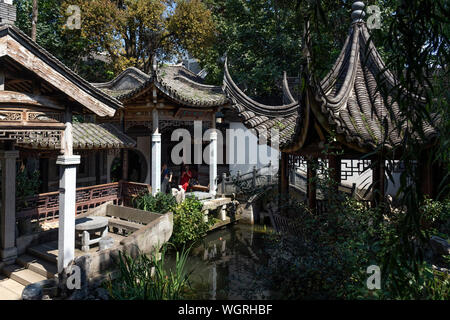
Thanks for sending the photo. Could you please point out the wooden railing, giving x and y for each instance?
(130, 190)
(283, 224)
(45, 207)
(248, 182)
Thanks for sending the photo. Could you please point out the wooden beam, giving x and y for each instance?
(11, 48)
(13, 97)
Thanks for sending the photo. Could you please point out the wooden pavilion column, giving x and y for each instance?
(8, 249)
(334, 163)
(284, 174)
(125, 164)
(378, 183)
(311, 189)
(425, 175)
(67, 196)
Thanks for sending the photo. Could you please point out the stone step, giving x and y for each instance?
(40, 266)
(22, 275)
(10, 289)
(44, 252)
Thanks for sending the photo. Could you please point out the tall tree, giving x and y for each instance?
(34, 18)
(263, 38)
(132, 32)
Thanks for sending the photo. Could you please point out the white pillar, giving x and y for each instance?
(156, 163)
(156, 154)
(8, 250)
(213, 164)
(67, 208)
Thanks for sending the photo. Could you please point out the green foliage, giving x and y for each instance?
(160, 203)
(264, 38)
(188, 224)
(72, 48)
(328, 256)
(137, 281)
(27, 184)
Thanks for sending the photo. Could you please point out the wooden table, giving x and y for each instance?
(198, 188)
(84, 227)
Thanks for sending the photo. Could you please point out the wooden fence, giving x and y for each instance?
(45, 207)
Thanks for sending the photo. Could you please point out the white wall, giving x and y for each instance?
(251, 157)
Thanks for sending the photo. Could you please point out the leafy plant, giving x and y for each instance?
(160, 203)
(328, 255)
(27, 184)
(188, 223)
(149, 278)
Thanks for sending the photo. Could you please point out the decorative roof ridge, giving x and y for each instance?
(156, 78)
(71, 75)
(128, 71)
(255, 106)
(172, 93)
(350, 75)
(286, 90)
(178, 67)
(187, 80)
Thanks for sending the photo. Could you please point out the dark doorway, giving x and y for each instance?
(137, 167)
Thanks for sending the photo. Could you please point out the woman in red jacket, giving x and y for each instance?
(185, 177)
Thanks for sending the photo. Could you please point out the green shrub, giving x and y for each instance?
(328, 257)
(136, 280)
(160, 203)
(188, 224)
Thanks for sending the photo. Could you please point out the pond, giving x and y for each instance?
(227, 264)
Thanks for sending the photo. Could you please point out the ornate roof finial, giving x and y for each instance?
(358, 13)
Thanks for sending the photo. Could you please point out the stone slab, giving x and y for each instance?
(22, 275)
(10, 289)
(44, 268)
(91, 223)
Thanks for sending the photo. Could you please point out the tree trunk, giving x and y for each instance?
(34, 18)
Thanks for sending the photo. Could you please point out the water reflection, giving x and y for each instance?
(225, 264)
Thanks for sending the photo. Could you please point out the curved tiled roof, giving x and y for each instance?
(108, 103)
(262, 118)
(176, 82)
(350, 98)
(124, 83)
(100, 136)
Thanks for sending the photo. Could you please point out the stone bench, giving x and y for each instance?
(85, 227)
(123, 226)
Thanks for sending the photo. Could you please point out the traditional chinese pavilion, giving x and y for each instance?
(348, 105)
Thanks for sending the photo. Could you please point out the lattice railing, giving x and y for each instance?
(248, 182)
(45, 207)
(131, 190)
